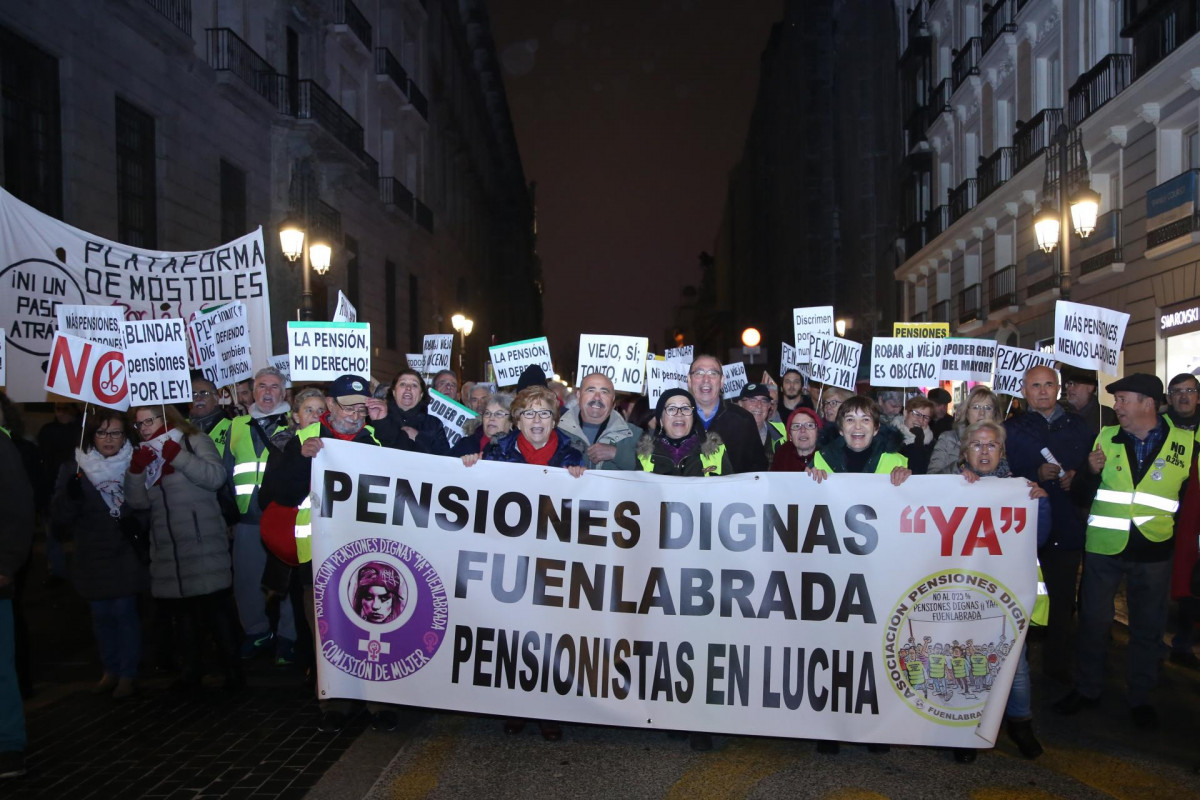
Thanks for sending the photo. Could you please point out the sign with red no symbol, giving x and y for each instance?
(88, 371)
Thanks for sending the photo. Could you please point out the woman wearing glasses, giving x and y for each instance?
(803, 427)
(917, 437)
(982, 404)
(678, 446)
(176, 473)
(493, 423)
(89, 507)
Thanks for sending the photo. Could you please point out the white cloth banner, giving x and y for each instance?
(45, 263)
(622, 359)
(733, 378)
(807, 323)
(834, 361)
(452, 414)
(967, 359)
(1088, 337)
(903, 362)
(1011, 365)
(345, 311)
(510, 360)
(156, 362)
(221, 344)
(663, 375)
(436, 349)
(94, 323)
(758, 604)
(3, 358)
(323, 351)
(87, 371)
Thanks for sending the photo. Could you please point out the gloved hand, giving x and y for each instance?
(142, 458)
(75, 488)
(171, 449)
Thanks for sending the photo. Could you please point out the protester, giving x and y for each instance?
(796, 455)
(941, 421)
(1046, 428)
(190, 569)
(677, 446)
(206, 411)
(106, 570)
(756, 399)
(791, 393)
(982, 403)
(917, 437)
(12, 423)
(16, 536)
(494, 421)
(1182, 408)
(641, 414)
(406, 421)
(446, 382)
(244, 397)
(56, 440)
(1182, 414)
(475, 396)
(859, 448)
(606, 439)
(891, 407)
(831, 401)
(734, 425)
(310, 407)
(1080, 396)
(1136, 475)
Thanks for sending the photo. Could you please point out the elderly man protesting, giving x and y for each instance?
(1136, 475)
(734, 425)
(606, 440)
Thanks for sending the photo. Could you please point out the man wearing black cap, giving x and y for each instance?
(734, 425)
(942, 421)
(1135, 475)
(1080, 390)
(756, 398)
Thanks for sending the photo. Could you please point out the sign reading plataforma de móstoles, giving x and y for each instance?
(672, 603)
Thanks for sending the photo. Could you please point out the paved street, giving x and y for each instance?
(264, 743)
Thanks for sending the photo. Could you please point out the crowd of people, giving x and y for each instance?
(208, 512)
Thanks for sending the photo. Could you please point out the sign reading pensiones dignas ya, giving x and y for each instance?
(661, 602)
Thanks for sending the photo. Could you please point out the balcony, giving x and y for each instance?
(346, 14)
(963, 198)
(393, 193)
(1101, 253)
(177, 12)
(966, 61)
(1098, 85)
(941, 311)
(920, 317)
(1043, 290)
(1158, 28)
(417, 98)
(970, 306)
(914, 239)
(228, 53)
(1000, 20)
(387, 66)
(936, 221)
(917, 29)
(939, 99)
(424, 216)
(995, 170)
(1002, 290)
(312, 102)
(1035, 136)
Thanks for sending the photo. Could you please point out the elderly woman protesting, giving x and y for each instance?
(677, 446)
(495, 420)
(535, 441)
(982, 403)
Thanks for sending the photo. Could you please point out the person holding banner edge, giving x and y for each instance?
(859, 449)
(494, 421)
(606, 439)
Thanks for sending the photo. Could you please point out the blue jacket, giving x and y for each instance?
(1068, 438)
(506, 450)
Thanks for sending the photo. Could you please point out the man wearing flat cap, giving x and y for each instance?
(1080, 396)
(1135, 476)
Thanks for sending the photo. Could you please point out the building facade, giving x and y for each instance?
(382, 125)
(984, 90)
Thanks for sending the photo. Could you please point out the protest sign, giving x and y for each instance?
(671, 603)
(87, 371)
(93, 323)
(662, 375)
(1011, 365)
(344, 311)
(967, 359)
(809, 322)
(436, 352)
(46, 263)
(283, 363)
(1088, 337)
(156, 362)
(322, 351)
(920, 330)
(452, 414)
(788, 359)
(510, 360)
(683, 354)
(3, 358)
(733, 378)
(622, 359)
(416, 362)
(221, 347)
(898, 362)
(835, 362)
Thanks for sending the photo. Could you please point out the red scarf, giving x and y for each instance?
(345, 437)
(540, 456)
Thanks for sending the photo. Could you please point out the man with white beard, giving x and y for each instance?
(606, 440)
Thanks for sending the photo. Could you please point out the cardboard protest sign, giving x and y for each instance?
(436, 352)
(920, 330)
(322, 351)
(788, 359)
(809, 322)
(344, 312)
(968, 359)
(416, 362)
(220, 339)
(3, 359)
(510, 360)
(621, 359)
(683, 354)
(452, 414)
(1088, 337)
(156, 362)
(733, 378)
(87, 371)
(93, 323)
(835, 362)
(662, 375)
(283, 363)
(898, 363)
(1012, 363)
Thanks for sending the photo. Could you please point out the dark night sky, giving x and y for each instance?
(629, 114)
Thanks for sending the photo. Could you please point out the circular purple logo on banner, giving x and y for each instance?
(381, 609)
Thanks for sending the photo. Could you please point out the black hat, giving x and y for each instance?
(939, 396)
(1140, 382)
(350, 388)
(1070, 373)
(532, 376)
(667, 395)
(755, 390)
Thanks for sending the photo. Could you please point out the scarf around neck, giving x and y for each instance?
(540, 456)
(107, 474)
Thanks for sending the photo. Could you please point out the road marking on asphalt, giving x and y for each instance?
(421, 775)
(732, 771)
(1115, 777)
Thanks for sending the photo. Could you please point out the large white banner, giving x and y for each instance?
(45, 263)
(757, 604)
(1088, 337)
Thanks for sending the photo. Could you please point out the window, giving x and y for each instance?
(389, 304)
(233, 202)
(1191, 149)
(352, 270)
(415, 341)
(137, 220)
(32, 130)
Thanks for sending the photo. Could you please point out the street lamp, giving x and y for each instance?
(1080, 210)
(464, 326)
(751, 337)
(317, 255)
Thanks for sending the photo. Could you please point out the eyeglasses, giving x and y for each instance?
(360, 411)
(116, 434)
(532, 413)
(705, 373)
(1183, 391)
(984, 447)
(676, 411)
(202, 393)
(830, 403)
(981, 408)
(803, 426)
(501, 414)
(144, 423)
(919, 415)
